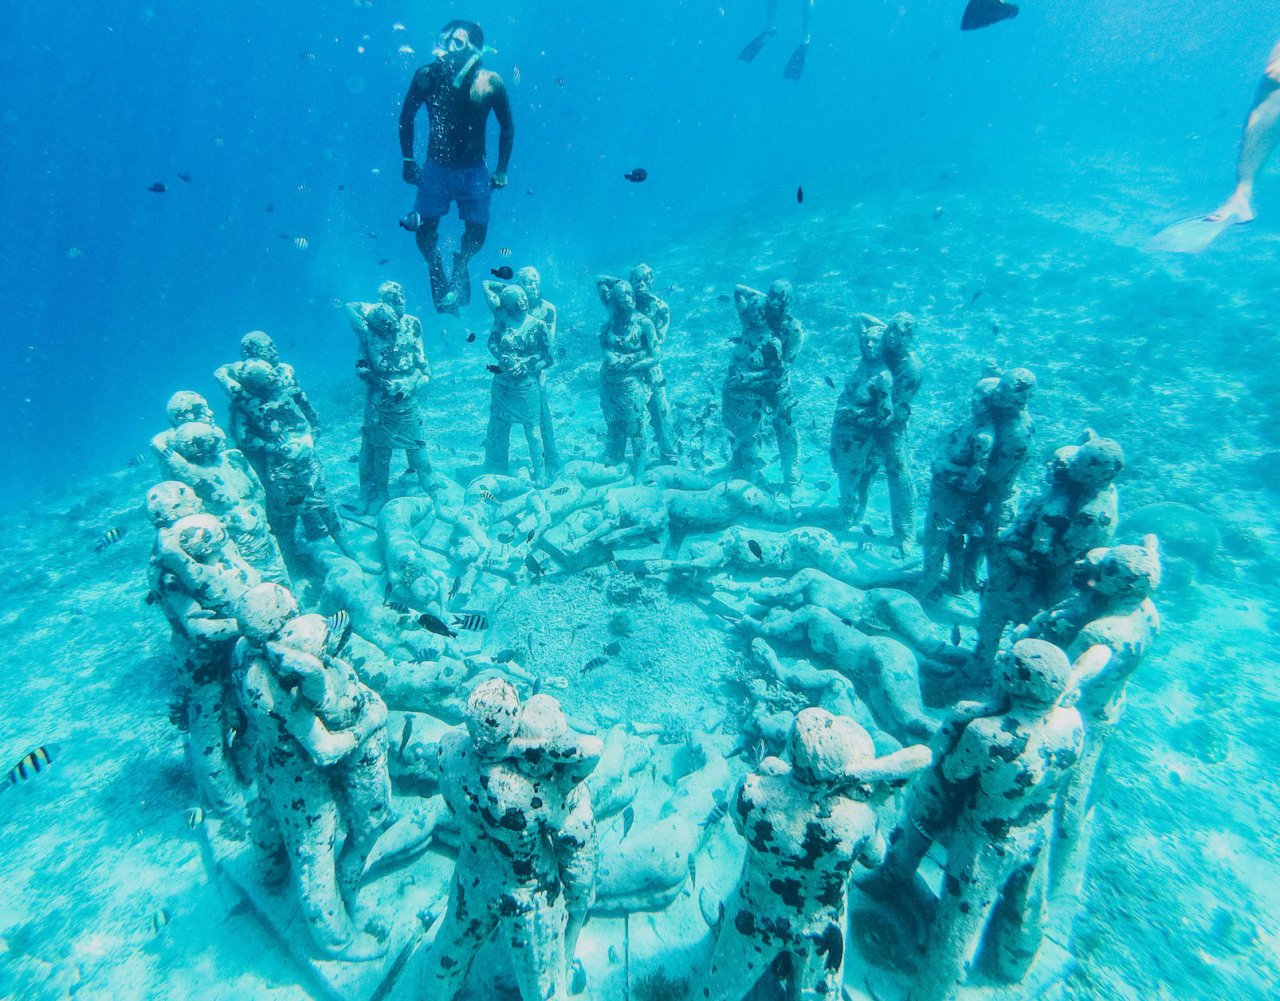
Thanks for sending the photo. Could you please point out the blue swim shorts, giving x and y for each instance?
(439, 185)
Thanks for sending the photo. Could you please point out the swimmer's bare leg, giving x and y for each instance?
(1261, 133)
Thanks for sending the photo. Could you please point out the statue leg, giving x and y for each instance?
(784, 430)
(739, 960)
(902, 493)
(365, 795)
(550, 454)
(206, 731)
(537, 948)
(1017, 926)
(497, 443)
(817, 967)
(536, 458)
(466, 927)
(1073, 814)
(660, 421)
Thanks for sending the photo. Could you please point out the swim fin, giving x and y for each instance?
(795, 65)
(1191, 236)
(753, 47)
(984, 13)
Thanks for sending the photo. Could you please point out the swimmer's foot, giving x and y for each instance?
(795, 65)
(753, 47)
(1234, 211)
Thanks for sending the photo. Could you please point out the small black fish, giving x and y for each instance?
(955, 635)
(158, 188)
(976, 296)
(756, 551)
(353, 459)
(137, 460)
(628, 818)
(559, 81)
(504, 273)
(269, 208)
(453, 588)
(152, 597)
(472, 622)
(535, 568)
(714, 817)
(637, 175)
(31, 765)
(433, 625)
(830, 381)
(504, 656)
(494, 369)
(530, 537)
(384, 260)
(983, 13)
(560, 491)
(488, 495)
(868, 531)
(593, 663)
(185, 178)
(399, 607)
(724, 297)
(613, 648)
(471, 336)
(504, 251)
(823, 485)
(109, 538)
(799, 196)
(405, 733)
(339, 624)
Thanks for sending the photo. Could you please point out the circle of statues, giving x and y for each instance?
(944, 786)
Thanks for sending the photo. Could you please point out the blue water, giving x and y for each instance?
(999, 184)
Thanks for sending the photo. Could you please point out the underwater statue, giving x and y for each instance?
(393, 366)
(521, 346)
(998, 771)
(758, 383)
(256, 345)
(540, 309)
(223, 479)
(1030, 566)
(628, 341)
(659, 314)
(807, 822)
(1111, 606)
(513, 781)
(320, 739)
(184, 407)
(869, 430)
(197, 577)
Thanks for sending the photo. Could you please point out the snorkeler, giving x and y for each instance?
(1261, 133)
(459, 96)
(795, 65)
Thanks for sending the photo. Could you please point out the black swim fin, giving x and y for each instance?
(795, 65)
(753, 47)
(984, 13)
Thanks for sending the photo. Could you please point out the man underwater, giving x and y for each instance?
(459, 95)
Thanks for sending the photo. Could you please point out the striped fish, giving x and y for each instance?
(472, 622)
(137, 460)
(31, 765)
(109, 538)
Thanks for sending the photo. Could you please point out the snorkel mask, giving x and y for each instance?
(458, 53)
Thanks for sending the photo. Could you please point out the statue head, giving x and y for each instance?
(1095, 463)
(622, 297)
(259, 379)
(492, 714)
(513, 304)
(200, 536)
(264, 610)
(197, 442)
(983, 390)
(1128, 571)
(900, 334)
(642, 278)
(171, 500)
(1014, 390)
(824, 747)
(258, 344)
(391, 294)
(1034, 673)
(779, 298)
(529, 280)
(185, 406)
(871, 341)
(382, 321)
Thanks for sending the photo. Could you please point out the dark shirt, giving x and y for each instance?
(456, 117)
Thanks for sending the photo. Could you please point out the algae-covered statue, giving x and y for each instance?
(989, 799)
(392, 364)
(513, 783)
(257, 345)
(1110, 606)
(627, 341)
(521, 349)
(1031, 564)
(223, 479)
(659, 314)
(321, 744)
(196, 577)
(758, 382)
(1013, 438)
(540, 309)
(184, 407)
(807, 822)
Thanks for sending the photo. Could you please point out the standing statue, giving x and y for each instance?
(758, 383)
(520, 345)
(256, 345)
(863, 410)
(540, 309)
(525, 866)
(990, 799)
(1110, 606)
(184, 407)
(321, 744)
(223, 479)
(807, 822)
(1031, 563)
(659, 314)
(393, 366)
(627, 340)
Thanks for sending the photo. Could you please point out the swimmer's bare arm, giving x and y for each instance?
(501, 104)
(413, 100)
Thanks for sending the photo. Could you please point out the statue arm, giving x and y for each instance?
(225, 378)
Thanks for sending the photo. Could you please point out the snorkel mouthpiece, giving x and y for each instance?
(476, 58)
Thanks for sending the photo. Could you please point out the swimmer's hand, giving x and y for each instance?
(411, 173)
(499, 179)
